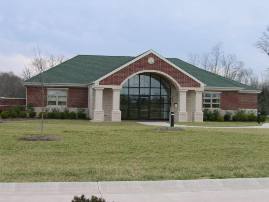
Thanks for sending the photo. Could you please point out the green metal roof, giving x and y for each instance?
(85, 69)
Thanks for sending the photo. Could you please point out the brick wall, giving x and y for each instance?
(34, 96)
(77, 97)
(232, 100)
(142, 64)
(7, 103)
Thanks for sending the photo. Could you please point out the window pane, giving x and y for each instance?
(133, 91)
(134, 81)
(144, 91)
(215, 105)
(155, 99)
(155, 91)
(155, 81)
(124, 91)
(207, 106)
(51, 102)
(144, 80)
(164, 91)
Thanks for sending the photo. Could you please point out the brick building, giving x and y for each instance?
(146, 87)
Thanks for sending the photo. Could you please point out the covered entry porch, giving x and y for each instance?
(145, 95)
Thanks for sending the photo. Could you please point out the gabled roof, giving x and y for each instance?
(85, 69)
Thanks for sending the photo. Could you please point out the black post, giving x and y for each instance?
(259, 117)
(172, 119)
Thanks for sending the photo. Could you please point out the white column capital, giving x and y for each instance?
(116, 88)
(98, 88)
(182, 90)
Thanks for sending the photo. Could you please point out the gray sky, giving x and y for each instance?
(174, 28)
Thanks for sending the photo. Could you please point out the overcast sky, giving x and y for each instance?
(174, 28)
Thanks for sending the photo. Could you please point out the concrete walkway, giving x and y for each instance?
(166, 124)
(230, 190)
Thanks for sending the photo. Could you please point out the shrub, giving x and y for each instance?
(45, 115)
(227, 116)
(13, 113)
(240, 116)
(30, 107)
(262, 118)
(207, 115)
(81, 114)
(18, 109)
(5, 114)
(51, 115)
(252, 117)
(72, 115)
(216, 116)
(83, 199)
(32, 114)
(22, 114)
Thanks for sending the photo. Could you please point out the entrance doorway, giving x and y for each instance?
(146, 96)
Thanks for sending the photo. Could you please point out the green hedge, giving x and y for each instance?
(238, 116)
(55, 114)
(21, 112)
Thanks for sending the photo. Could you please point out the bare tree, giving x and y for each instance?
(38, 66)
(47, 63)
(228, 66)
(263, 42)
(215, 58)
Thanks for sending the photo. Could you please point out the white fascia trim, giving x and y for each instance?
(208, 88)
(55, 84)
(143, 55)
(250, 91)
(12, 98)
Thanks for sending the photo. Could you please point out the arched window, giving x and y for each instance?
(146, 96)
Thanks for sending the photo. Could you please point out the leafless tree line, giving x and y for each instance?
(11, 85)
(41, 63)
(226, 65)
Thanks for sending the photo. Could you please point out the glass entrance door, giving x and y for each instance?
(146, 96)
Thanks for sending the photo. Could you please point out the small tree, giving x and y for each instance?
(38, 66)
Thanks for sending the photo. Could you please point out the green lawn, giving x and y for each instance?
(128, 151)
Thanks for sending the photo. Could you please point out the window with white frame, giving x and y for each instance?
(57, 97)
(211, 100)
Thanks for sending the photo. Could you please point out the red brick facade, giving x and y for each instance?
(142, 64)
(76, 97)
(6, 103)
(232, 100)
(34, 96)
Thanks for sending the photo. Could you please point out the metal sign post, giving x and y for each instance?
(172, 119)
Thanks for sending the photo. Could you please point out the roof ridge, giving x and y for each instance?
(106, 55)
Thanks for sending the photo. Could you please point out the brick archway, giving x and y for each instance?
(118, 77)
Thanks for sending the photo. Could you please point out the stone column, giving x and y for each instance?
(90, 102)
(98, 112)
(198, 112)
(116, 113)
(182, 106)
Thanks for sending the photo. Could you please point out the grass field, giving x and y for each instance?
(128, 151)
